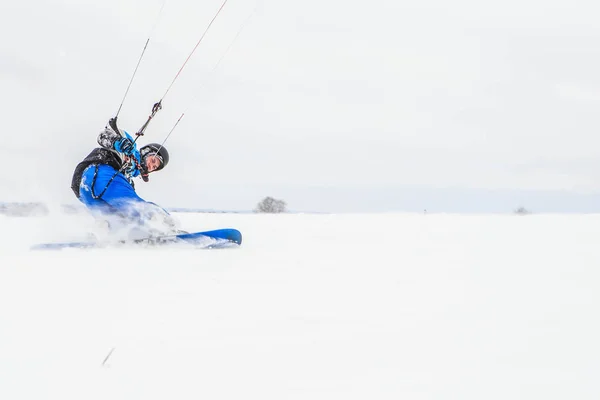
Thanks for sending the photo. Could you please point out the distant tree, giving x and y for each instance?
(270, 205)
(522, 211)
(23, 209)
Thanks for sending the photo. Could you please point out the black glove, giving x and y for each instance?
(124, 146)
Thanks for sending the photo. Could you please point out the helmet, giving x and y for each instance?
(155, 149)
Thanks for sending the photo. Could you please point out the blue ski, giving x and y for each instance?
(210, 239)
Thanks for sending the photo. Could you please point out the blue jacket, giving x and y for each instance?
(103, 181)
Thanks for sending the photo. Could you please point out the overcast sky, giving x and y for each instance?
(331, 105)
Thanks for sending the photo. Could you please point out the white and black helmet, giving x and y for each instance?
(155, 149)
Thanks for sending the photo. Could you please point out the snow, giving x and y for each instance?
(347, 306)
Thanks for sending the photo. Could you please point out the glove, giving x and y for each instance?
(124, 146)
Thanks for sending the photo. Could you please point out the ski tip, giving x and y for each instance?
(231, 235)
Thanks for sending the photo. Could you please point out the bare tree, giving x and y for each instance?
(270, 205)
(522, 211)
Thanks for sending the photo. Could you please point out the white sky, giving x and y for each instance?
(313, 94)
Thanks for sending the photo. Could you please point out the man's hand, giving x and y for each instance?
(124, 146)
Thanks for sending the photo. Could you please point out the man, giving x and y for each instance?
(103, 181)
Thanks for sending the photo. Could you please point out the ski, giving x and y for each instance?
(220, 238)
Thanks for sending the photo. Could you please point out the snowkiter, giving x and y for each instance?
(103, 181)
